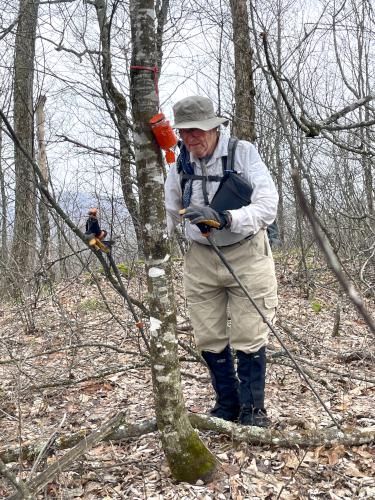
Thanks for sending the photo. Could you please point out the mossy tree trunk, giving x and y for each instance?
(187, 456)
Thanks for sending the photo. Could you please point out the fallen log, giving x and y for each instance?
(328, 437)
(29, 451)
(287, 438)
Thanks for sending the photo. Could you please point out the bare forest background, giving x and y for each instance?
(79, 81)
(322, 55)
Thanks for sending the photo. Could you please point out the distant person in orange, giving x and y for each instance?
(92, 226)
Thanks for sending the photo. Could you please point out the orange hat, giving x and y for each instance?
(93, 211)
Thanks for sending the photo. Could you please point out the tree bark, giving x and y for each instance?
(45, 230)
(23, 249)
(244, 116)
(119, 115)
(364, 84)
(4, 218)
(278, 143)
(187, 456)
(161, 8)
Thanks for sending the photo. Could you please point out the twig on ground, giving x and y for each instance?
(46, 447)
(95, 376)
(53, 470)
(20, 486)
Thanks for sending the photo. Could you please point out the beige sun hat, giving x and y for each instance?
(196, 112)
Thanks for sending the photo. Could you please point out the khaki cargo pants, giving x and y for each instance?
(211, 291)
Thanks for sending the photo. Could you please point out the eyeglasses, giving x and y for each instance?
(186, 131)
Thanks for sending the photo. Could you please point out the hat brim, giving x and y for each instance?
(203, 124)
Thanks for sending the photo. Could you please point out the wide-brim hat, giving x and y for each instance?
(196, 112)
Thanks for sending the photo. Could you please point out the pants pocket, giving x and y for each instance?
(209, 321)
(248, 331)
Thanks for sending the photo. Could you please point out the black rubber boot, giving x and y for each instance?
(252, 374)
(225, 384)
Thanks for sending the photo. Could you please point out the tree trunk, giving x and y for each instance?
(161, 8)
(187, 456)
(367, 165)
(23, 250)
(45, 230)
(4, 218)
(278, 143)
(244, 116)
(119, 106)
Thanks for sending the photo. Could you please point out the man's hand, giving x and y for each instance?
(207, 216)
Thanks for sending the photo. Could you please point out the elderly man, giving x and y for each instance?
(241, 235)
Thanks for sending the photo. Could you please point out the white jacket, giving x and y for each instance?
(246, 220)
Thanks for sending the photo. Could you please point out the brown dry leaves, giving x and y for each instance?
(73, 358)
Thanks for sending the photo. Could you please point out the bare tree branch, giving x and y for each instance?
(89, 148)
(344, 111)
(309, 132)
(60, 48)
(7, 30)
(331, 257)
(308, 126)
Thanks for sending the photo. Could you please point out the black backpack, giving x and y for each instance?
(186, 171)
(233, 192)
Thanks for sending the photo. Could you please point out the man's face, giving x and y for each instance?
(199, 142)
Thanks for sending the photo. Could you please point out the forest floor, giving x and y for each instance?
(71, 360)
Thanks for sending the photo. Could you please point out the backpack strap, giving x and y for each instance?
(232, 145)
(186, 170)
(224, 160)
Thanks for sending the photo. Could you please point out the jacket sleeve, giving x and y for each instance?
(264, 200)
(173, 197)
(92, 226)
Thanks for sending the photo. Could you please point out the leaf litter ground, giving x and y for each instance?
(73, 358)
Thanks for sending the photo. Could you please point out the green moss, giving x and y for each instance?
(194, 462)
(316, 306)
(64, 442)
(93, 304)
(126, 270)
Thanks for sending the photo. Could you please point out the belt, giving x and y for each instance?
(231, 245)
(241, 242)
